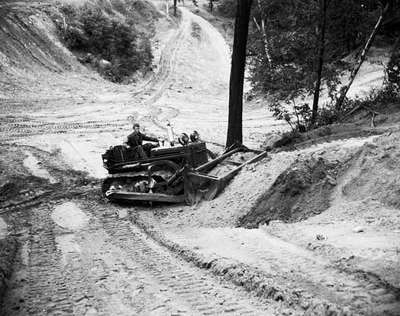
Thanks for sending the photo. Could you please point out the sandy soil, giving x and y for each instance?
(60, 117)
(348, 255)
(3, 229)
(107, 266)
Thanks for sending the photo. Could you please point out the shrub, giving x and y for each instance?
(376, 98)
(227, 8)
(90, 30)
(393, 71)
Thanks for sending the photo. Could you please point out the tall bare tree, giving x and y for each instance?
(175, 5)
(346, 88)
(321, 51)
(235, 133)
(261, 28)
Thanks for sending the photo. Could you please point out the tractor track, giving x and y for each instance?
(182, 280)
(103, 276)
(309, 285)
(166, 65)
(25, 200)
(162, 80)
(36, 272)
(12, 131)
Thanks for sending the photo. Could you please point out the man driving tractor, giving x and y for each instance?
(135, 141)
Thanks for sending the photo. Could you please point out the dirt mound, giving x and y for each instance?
(299, 192)
(376, 172)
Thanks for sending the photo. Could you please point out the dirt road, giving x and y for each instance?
(80, 258)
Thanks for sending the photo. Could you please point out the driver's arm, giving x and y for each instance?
(150, 139)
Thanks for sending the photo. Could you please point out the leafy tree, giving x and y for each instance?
(356, 68)
(303, 59)
(227, 8)
(393, 68)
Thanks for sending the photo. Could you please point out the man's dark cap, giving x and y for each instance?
(136, 125)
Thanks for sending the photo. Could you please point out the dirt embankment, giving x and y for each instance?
(376, 173)
(301, 191)
(29, 40)
(306, 187)
(360, 228)
(33, 37)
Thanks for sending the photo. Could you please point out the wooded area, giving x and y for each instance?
(297, 50)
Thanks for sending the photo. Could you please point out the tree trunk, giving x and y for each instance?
(346, 88)
(211, 5)
(175, 4)
(235, 133)
(321, 51)
(261, 28)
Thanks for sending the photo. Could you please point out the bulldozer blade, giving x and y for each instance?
(150, 197)
(215, 188)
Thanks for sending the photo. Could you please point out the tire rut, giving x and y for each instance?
(43, 284)
(182, 280)
(24, 200)
(295, 268)
(106, 272)
(13, 131)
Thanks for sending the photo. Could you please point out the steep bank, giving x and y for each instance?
(36, 36)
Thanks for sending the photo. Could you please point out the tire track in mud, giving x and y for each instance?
(12, 131)
(28, 199)
(161, 81)
(299, 277)
(39, 286)
(165, 67)
(198, 291)
(344, 289)
(104, 271)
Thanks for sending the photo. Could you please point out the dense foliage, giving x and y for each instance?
(90, 30)
(284, 59)
(293, 30)
(226, 8)
(393, 71)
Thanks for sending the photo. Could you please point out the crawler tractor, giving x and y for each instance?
(182, 173)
